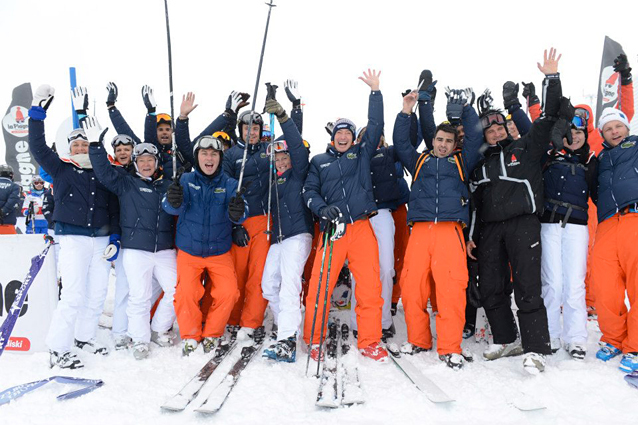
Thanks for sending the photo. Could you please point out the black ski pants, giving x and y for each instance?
(517, 243)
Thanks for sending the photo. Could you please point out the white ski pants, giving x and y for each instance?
(141, 267)
(281, 281)
(85, 278)
(563, 269)
(383, 227)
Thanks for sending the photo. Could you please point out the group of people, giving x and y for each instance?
(234, 221)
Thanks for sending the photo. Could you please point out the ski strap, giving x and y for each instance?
(458, 159)
(19, 390)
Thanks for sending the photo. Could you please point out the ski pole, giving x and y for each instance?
(252, 110)
(170, 84)
(314, 317)
(324, 315)
(271, 90)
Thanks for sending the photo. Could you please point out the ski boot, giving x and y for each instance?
(232, 331)
(163, 339)
(286, 350)
(607, 352)
(496, 351)
(454, 361)
(188, 346)
(555, 344)
(273, 332)
(270, 352)
(375, 352)
(122, 342)
(66, 360)
(577, 351)
(388, 333)
(411, 349)
(210, 343)
(140, 350)
(468, 331)
(92, 346)
(629, 362)
(534, 363)
(393, 309)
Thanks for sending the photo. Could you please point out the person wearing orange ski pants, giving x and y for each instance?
(435, 252)
(359, 246)
(249, 264)
(221, 289)
(401, 236)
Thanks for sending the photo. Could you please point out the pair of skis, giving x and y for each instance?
(215, 400)
(340, 385)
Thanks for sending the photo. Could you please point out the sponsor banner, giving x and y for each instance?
(15, 128)
(609, 81)
(32, 325)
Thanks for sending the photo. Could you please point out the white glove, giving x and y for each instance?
(292, 91)
(80, 98)
(149, 99)
(43, 96)
(93, 130)
(110, 252)
(235, 100)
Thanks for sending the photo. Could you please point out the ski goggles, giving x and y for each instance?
(164, 118)
(491, 119)
(582, 112)
(579, 123)
(78, 134)
(277, 146)
(245, 118)
(221, 134)
(208, 142)
(122, 139)
(145, 149)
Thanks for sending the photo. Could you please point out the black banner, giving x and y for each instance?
(15, 127)
(609, 81)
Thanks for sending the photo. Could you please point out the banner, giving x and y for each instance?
(15, 127)
(35, 315)
(609, 81)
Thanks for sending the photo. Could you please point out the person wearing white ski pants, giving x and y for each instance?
(141, 267)
(383, 227)
(563, 269)
(281, 282)
(85, 276)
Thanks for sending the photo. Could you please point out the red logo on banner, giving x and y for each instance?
(18, 344)
(15, 122)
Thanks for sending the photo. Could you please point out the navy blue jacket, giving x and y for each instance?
(48, 205)
(255, 174)
(83, 206)
(9, 200)
(617, 177)
(344, 179)
(295, 217)
(183, 137)
(568, 180)
(385, 178)
(204, 228)
(144, 224)
(438, 191)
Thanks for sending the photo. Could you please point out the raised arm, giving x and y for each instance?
(407, 153)
(105, 172)
(43, 154)
(374, 128)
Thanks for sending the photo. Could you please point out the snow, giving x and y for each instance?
(588, 391)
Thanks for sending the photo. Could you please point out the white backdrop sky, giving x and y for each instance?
(325, 45)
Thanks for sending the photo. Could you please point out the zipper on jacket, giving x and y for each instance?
(436, 197)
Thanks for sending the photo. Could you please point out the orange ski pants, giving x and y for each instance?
(359, 246)
(614, 271)
(435, 251)
(401, 236)
(249, 265)
(189, 291)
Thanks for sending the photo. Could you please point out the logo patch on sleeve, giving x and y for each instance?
(627, 145)
(220, 190)
(351, 155)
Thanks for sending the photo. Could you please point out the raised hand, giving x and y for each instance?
(371, 78)
(149, 99)
(292, 91)
(409, 100)
(188, 105)
(112, 96)
(93, 130)
(80, 99)
(43, 96)
(550, 62)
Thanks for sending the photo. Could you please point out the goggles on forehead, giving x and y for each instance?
(277, 146)
(222, 135)
(579, 123)
(78, 134)
(491, 119)
(582, 112)
(208, 142)
(257, 119)
(164, 118)
(122, 139)
(145, 149)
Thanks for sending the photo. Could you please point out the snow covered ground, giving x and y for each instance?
(585, 392)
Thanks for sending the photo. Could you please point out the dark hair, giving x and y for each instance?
(447, 128)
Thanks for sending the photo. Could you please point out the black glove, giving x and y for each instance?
(510, 95)
(329, 127)
(621, 64)
(484, 101)
(563, 126)
(112, 96)
(427, 89)
(175, 195)
(529, 93)
(330, 212)
(236, 208)
(240, 236)
(455, 101)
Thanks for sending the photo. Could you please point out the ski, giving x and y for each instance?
(218, 396)
(179, 401)
(432, 391)
(526, 403)
(351, 392)
(328, 394)
(632, 379)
